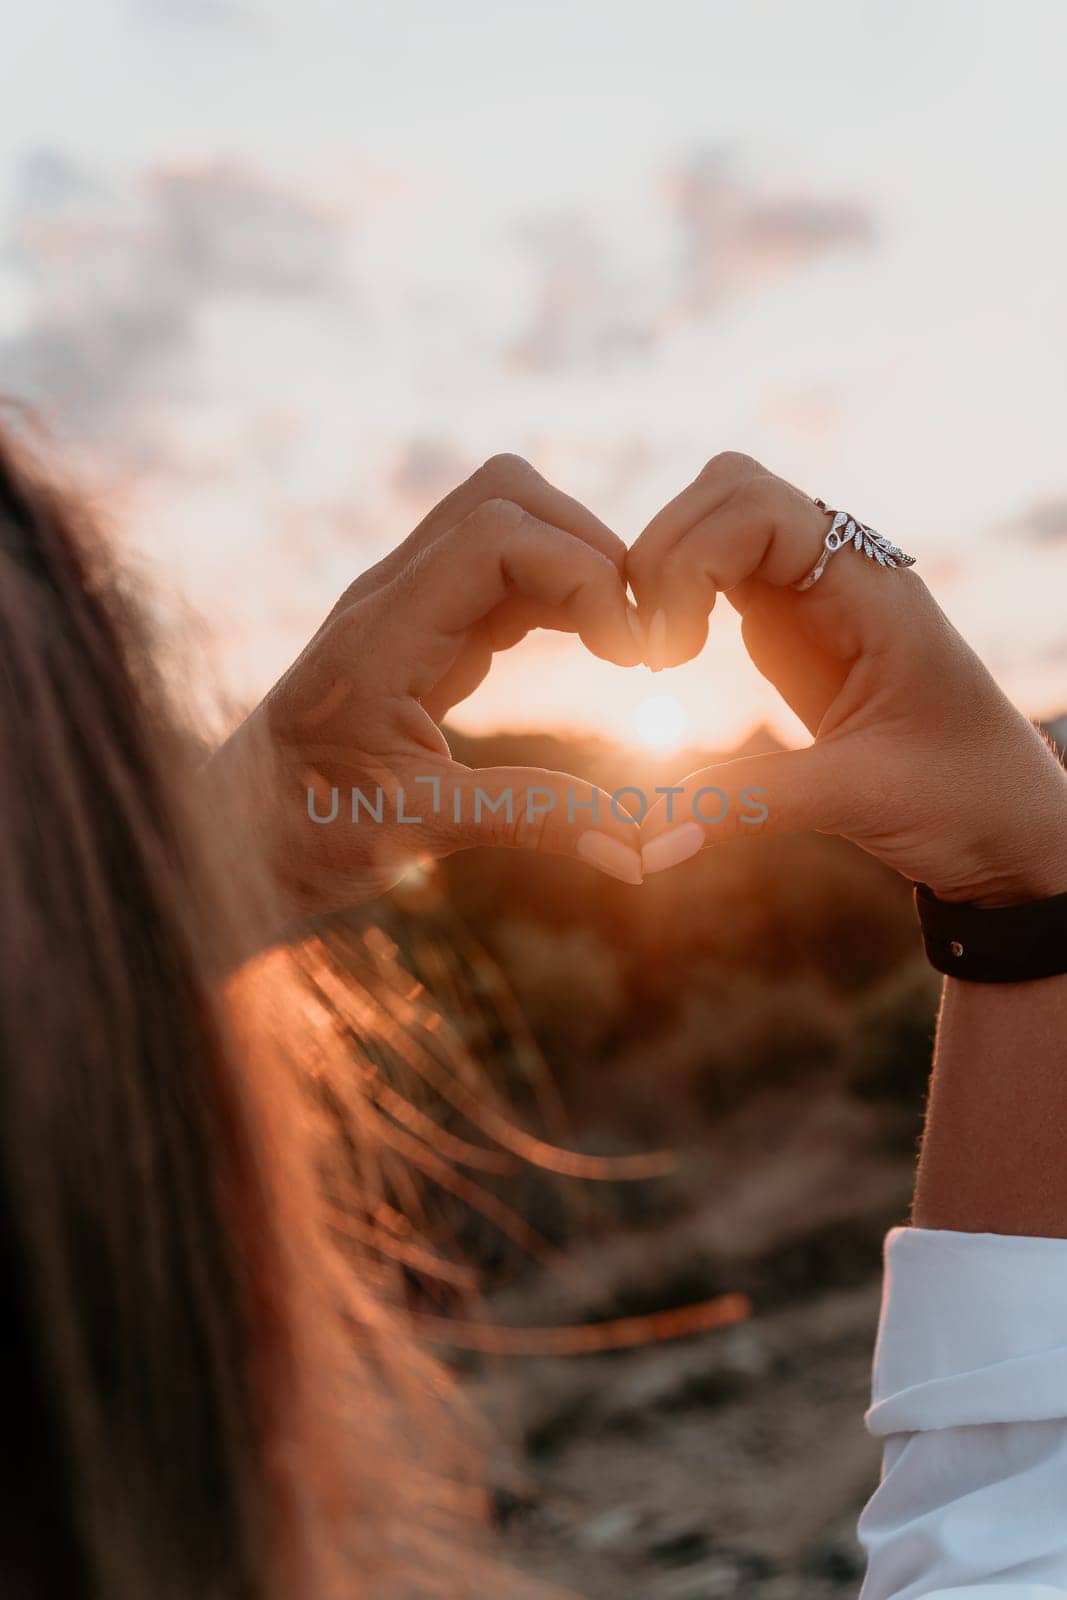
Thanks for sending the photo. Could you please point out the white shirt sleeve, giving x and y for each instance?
(970, 1395)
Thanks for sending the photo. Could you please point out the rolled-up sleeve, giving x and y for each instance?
(970, 1396)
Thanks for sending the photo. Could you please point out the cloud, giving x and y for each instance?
(107, 312)
(118, 277)
(582, 311)
(725, 236)
(227, 228)
(48, 180)
(732, 235)
(89, 369)
(1044, 522)
(797, 228)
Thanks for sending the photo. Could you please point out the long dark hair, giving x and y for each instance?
(211, 1388)
(149, 1371)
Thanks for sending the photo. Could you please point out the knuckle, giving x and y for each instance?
(366, 584)
(690, 586)
(681, 563)
(493, 518)
(594, 564)
(527, 831)
(761, 496)
(411, 573)
(616, 552)
(347, 636)
(504, 469)
(730, 466)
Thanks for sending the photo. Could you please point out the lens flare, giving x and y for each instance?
(660, 722)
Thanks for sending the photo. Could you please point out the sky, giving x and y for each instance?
(276, 274)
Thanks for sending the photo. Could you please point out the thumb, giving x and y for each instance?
(787, 792)
(531, 808)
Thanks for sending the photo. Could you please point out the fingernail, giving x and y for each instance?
(635, 627)
(610, 855)
(677, 844)
(657, 640)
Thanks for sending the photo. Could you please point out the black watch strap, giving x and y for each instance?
(1005, 944)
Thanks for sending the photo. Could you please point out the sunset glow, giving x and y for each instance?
(660, 722)
(329, 320)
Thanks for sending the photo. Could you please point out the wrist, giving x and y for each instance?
(1010, 844)
(1030, 865)
(1010, 884)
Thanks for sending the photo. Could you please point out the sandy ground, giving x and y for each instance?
(732, 1462)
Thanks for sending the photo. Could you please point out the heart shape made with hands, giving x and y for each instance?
(361, 777)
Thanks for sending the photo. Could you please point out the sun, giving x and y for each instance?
(660, 722)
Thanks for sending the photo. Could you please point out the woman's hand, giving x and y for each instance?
(361, 708)
(917, 756)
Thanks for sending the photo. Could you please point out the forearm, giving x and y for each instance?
(993, 1156)
(969, 1378)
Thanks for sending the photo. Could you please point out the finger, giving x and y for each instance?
(788, 792)
(519, 615)
(502, 477)
(509, 477)
(768, 530)
(506, 626)
(428, 806)
(807, 676)
(468, 670)
(737, 540)
(420, 621)
(716, 480)
(530, 808)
